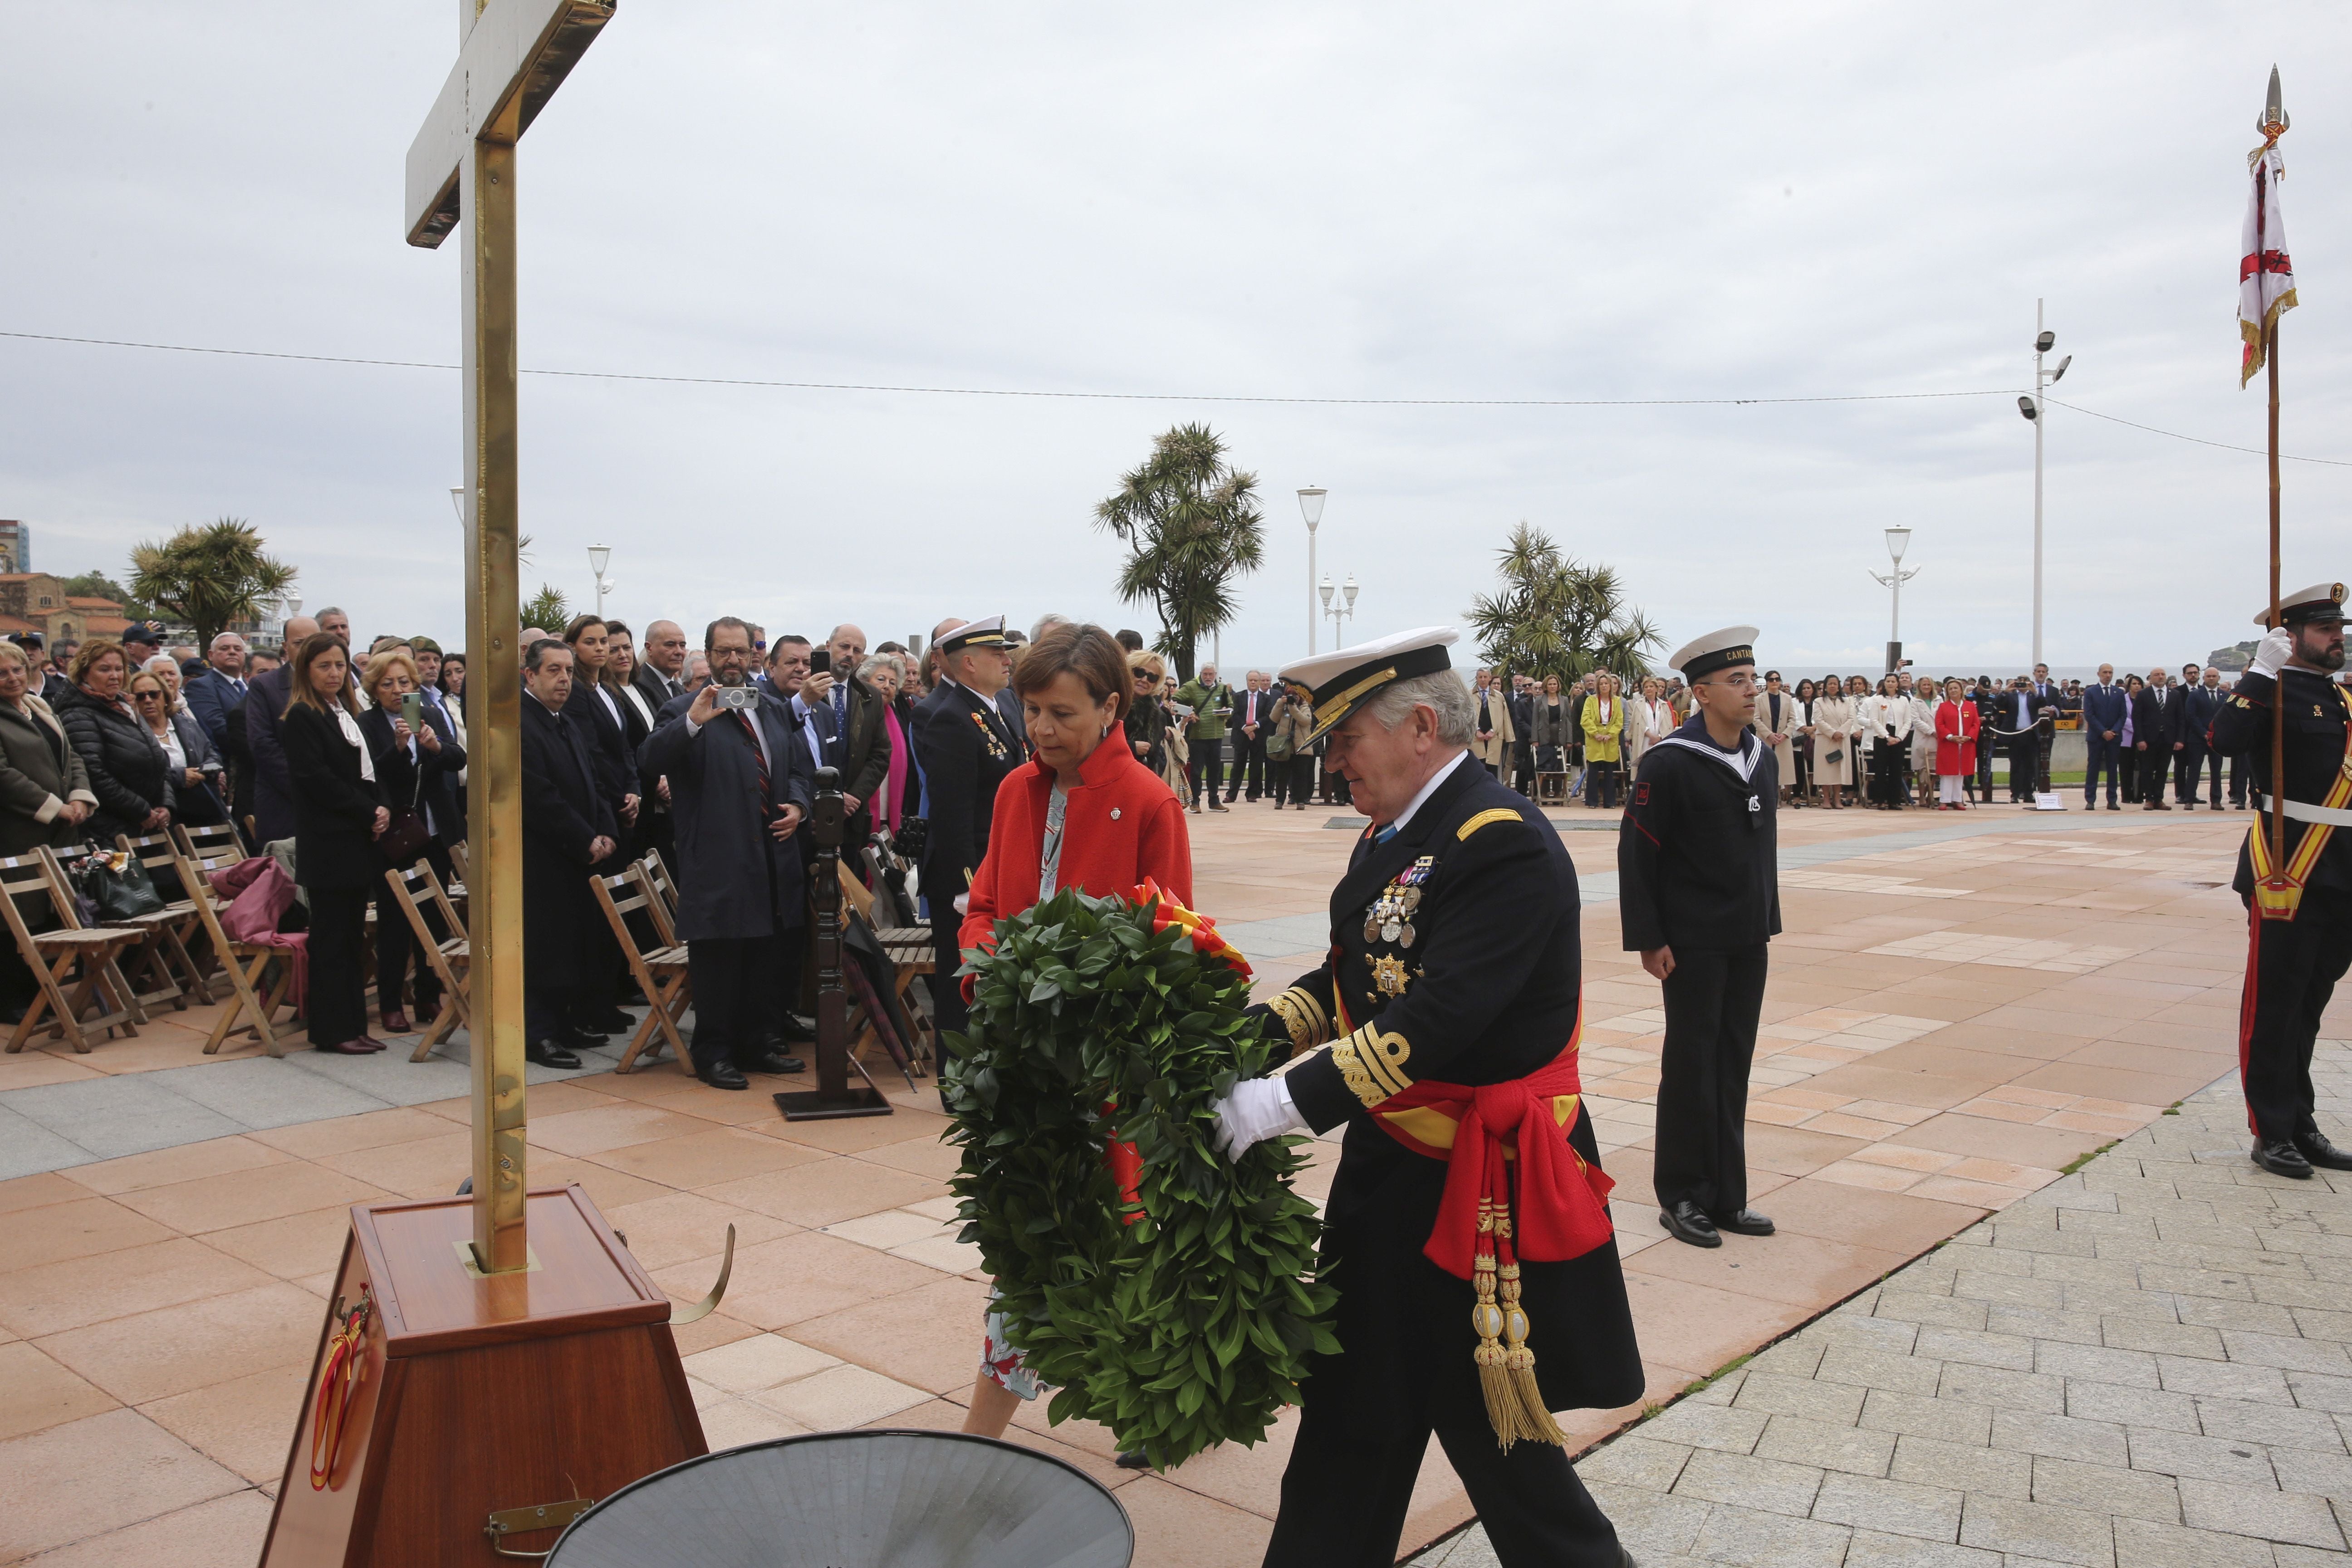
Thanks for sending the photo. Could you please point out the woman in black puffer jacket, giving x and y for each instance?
(128, 770)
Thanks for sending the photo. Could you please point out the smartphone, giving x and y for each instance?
(820, 661)
(412, 710)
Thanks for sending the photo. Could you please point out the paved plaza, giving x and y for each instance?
(1962, 1009)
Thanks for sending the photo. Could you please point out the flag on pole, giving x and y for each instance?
(2266, 274)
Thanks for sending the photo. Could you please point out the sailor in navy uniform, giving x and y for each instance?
(2299, 924)
(1441, 1029)
(965, 750)
(1698, 897)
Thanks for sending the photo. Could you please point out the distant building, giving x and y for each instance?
(15, 545)
(37, 602)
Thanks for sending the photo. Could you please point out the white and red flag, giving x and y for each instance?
(2266, 274)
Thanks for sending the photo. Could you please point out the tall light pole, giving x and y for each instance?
(2032, 408)
(1898, 539)
(1310, 506)
(458, 499)
(1339, 613)
(599, 557)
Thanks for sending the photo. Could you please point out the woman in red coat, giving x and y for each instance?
(1079, 814)
(1955, 745)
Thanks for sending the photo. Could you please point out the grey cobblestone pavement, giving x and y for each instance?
(2141, 1366)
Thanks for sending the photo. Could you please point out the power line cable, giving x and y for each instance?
(1168, 397)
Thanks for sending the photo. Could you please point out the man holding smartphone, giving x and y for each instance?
(740, 784)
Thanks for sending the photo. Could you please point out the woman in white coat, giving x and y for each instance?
(1834, 728)
(1926, 694)
(1647, 717)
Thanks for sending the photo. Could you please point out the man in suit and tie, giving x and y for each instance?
(965, 750)
(1523, 729)
(215, 694)
(2023, 714)
(2156, 715)
(660, 674)
(568, 831)
(1251, 707)
(2198, 705)
(2055, 701)
(740, 783)
(2104, 704)
(857, 723)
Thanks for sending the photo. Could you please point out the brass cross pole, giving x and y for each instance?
(512, 56)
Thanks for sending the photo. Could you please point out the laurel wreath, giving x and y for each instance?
(1102, 1018)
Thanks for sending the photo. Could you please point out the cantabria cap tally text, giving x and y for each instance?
(2320, 602)
(1339, 683)
(988, 633)
(1716, 650)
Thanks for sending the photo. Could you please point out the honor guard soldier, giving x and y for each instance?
(965, 749)
(1698, 896)
(1468, 1230)
(2299, 929)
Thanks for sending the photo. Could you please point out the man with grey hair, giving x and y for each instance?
(335, 623)
(216, 693)
(1451, 991)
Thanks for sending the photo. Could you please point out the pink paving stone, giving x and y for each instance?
(2077, 1121)
(1883, 1110)
(1926, 1161)
(2002, 1110)
(2018, 1094)
(1775, 1115)
(1877, 1178)
(2140, 1114)
(1950, 1189)
(1811, 1098)
(2001, 1173)
(1846, 1126)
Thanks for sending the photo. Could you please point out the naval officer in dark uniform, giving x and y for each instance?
(1698, 896)
(965, 750)
(1442, 1030)
(2299, 914)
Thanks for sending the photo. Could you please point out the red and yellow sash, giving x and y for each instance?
(2278, 891)
(1559, 1210)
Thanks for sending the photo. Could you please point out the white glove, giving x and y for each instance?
(2277, 648)
(964, 903)
(1256, 1109)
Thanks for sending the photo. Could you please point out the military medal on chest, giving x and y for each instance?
(1389, 919)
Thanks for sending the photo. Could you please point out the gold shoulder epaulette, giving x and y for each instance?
(1499, 813)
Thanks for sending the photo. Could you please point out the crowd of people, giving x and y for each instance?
(1902, 739)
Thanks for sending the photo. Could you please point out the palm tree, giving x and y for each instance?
(1552, 615)
(548, 609)
(210, 577)
(1191, 525)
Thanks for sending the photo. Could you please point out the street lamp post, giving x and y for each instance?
(2032, 408)
(458, 499)
(1898, 539)
(1310, 506)
(599, 557)
(1341, 612)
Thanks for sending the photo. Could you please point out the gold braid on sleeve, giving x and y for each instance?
(1303, 1016)
(1371, 1063)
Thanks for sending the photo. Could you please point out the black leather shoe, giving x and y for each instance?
(723, 1075)
(1747, 1222)
(548, 1054)
(572, 1037)
(611, 1021)
(2315, 1148)
(1133, 1460)
(775, 1062)
(1688, 1222)
(793, 1033)
(2282, 1159)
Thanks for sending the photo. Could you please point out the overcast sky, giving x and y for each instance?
(1338, 201)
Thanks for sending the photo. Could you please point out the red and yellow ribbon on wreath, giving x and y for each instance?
(340, 1376)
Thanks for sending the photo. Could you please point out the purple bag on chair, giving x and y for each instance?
(259, 894)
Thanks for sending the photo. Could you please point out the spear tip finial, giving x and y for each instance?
(2274, 118)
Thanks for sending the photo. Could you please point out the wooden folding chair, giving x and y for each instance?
(51, 954)
(247, 964)
(661, 906)
(450, 956)
(660, 972)
(165, 950)
(210, 843)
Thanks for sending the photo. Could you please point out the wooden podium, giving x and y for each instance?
(482, 1396)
